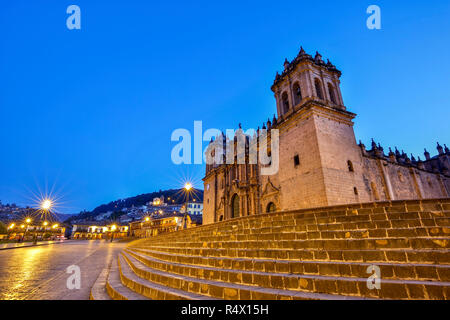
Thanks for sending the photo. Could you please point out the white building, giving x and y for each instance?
(195, 208)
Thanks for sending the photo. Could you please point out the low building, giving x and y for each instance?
(45, 231)
(99, 230)
(195, 208)
(158, 224)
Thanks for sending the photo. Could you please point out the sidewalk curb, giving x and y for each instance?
(33, 245)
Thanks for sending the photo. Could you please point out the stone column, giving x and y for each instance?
(386, 181)
(417, 186)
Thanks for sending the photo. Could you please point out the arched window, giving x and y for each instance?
(318, 86)
(235, 206)
(285, 102)
(297, 94)
(350, 166)
(271, 207)
(331, 92)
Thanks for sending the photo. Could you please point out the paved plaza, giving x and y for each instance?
(37, 273)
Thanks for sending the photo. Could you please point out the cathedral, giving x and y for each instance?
(320, 162)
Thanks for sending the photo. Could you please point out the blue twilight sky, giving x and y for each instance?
(91, 112)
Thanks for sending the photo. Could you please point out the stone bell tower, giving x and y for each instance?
(319, 157)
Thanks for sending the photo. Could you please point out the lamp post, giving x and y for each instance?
(54, 227)
(11, 226)
(113, 229)
(27, 224)
(187, 188)
(46, 206)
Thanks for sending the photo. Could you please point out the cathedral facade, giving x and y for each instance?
(320, 162)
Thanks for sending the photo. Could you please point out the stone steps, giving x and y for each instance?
(98, 290)
(406, 228)
(403, 271)
(325, 235)
(114, 286)
(131, 277)
(283, 219)
(221, 289)
(341, 285)
(373, 243)
(322, 253)
(374, 255)
(302, 226)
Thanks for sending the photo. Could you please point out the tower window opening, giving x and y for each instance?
(285, 101)
(297, 94)
(350, 166)
(331, 92)
(318, 89)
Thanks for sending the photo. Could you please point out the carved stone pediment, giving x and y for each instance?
(270, 189)
(220, 206)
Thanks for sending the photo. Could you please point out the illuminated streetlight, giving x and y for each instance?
(27, 221)
(11, 226)
(46, 204)
(55, 226)
(188, 188)
(147, 219)
(113, 229)
(45, 223)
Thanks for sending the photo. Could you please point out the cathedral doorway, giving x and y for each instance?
(271, 208)
(235, 206)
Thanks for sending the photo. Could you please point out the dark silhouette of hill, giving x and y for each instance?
(177, 196)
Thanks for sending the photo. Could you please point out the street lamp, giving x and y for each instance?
(27, 222)
(11, 226)
(187, 188)
(113, 229)
(46, 204)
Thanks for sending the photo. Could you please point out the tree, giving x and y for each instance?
(3, 229)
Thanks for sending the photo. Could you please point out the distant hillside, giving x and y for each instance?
(177, 195)
(63, 217)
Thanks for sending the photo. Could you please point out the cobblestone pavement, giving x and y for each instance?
(39, 273)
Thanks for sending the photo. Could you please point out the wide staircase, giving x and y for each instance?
(324, 253)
